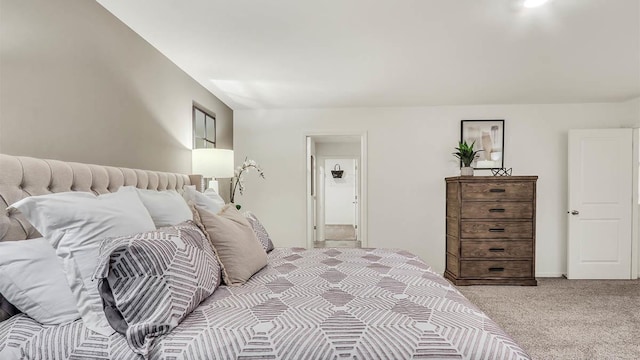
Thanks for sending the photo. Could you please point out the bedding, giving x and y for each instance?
(167, 208)
(261, 233)
(305, 304)
(209, 200)
(7, 310)
(150, 281)
(75, 223)
(23, 177)
(238, 250)
(33, 280)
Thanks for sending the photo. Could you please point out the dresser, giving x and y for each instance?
(491, 230)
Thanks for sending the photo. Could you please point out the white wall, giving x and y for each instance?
(631, 112)
(338, 149)
(409, 152)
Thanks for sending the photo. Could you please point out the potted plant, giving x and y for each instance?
(466, 154)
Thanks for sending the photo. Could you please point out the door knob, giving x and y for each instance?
(574, 212)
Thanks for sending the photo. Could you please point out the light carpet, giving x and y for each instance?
(339, 232)
(567, 319)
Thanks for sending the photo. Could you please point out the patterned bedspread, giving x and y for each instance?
(306, 304)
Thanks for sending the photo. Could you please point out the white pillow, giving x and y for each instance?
(167, 208)
(32, 279)
(210, 200)
(75, 223)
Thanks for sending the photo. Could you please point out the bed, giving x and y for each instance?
(304, 304)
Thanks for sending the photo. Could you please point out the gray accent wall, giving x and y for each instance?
(77, 84)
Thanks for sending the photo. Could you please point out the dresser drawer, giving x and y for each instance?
(497, 210)
(497, 249)
(522, 191)
(495, 269)
(496, 230)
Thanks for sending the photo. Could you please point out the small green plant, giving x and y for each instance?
(465, 153)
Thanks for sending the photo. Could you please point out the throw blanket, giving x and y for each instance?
(306, 304)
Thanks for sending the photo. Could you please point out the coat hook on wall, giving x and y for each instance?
(336, 172)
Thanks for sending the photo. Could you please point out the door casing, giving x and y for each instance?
(363, 172)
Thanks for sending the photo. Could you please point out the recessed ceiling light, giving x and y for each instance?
(533, 3)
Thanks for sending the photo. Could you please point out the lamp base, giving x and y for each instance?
(213, 185)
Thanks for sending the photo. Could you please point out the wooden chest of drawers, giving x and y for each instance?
(490, 230)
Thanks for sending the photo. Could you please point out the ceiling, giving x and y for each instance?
(385, 53)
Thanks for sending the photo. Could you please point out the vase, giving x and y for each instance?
(466, 171)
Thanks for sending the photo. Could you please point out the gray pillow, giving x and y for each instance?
(150, 281)
(260, 231)
(6, 309)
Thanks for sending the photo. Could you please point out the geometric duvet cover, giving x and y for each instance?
(305, 304)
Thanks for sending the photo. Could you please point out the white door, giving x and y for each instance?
(600, 204)
(339, 192)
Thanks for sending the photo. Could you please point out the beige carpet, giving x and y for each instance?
(339, 232)
(567, 319)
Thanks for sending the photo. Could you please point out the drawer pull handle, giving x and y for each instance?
(496, 269)
(497, 190)
(496, 230)
(496, 250)
(497, 210)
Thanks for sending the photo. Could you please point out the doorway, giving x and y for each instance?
(338, 183)
(336, 190)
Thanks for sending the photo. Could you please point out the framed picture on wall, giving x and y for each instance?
(488, 136)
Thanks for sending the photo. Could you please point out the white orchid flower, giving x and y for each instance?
(238, 180)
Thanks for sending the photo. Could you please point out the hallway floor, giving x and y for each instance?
(339, 232)
(339, 236)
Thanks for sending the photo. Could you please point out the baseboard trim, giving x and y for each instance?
(548, 275)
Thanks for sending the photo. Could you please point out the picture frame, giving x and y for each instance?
(488, 136)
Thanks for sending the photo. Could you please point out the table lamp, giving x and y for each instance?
(212, 164)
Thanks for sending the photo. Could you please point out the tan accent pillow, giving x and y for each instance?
(239, 251)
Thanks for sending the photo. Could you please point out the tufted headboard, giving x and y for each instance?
(25, 176)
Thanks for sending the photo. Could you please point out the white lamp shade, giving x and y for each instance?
(212, 163)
